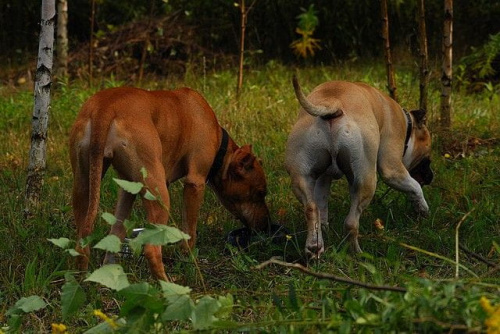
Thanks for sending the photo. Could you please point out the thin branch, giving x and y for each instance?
(329, 276)
(457, 241)
(477, 256)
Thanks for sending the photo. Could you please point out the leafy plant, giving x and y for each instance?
(307, 45)
(481, 69)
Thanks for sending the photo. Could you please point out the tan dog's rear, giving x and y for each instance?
(353, 129)
(172, 134)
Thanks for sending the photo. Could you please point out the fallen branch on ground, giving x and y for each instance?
(329, 276)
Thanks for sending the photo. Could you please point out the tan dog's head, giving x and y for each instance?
(420, 166)
(243, 189)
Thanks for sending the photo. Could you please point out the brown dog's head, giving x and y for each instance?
(242, 189)
(420, 166)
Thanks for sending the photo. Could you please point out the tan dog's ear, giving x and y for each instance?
(420, 116)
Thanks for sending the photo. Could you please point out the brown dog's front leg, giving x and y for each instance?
(192, 200)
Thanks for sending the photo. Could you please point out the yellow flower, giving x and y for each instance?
(111, 322)
(59, 329)
(493, 321)
(447, 156)
(288, 237)
(379, 225)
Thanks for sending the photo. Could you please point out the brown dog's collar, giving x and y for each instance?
(409, 128)
(219, 157)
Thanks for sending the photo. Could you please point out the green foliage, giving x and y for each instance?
(480, 69)
(72, 296)
(308, 21)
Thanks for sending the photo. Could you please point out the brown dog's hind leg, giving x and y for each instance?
(83, 226)
(122, 212)
(157, 213)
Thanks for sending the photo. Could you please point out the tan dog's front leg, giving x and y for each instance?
(192, 200)
(399, 178)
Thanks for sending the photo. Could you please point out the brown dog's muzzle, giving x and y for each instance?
(422, 172)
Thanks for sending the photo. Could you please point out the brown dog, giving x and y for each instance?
(172, 134)
(355, 130)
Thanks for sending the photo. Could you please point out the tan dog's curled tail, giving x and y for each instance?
(325, 112)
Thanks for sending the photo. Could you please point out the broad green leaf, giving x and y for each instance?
(72, 297)
(104, 327)
(129, 225)
(180, 309)
(110, 243)
(226, 306)
(149, 196)
(140, 321)
(61, 242)
(203, 313)
(109, 218)
(141, 295)
(111, 276)
(171, 289)
(157, 235)
(73, 252)
(129, 186)
(27, 305)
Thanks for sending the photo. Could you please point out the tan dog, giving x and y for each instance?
(353, 129)
(172, 134)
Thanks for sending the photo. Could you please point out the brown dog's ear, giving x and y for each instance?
(242, 160)
(420, 116)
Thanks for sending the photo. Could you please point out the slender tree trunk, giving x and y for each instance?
(391, 82)
(39, 121)
(424, 57)
(147, 43)
(446, 78)
(243, 23)
(62, 38)
(91, 43)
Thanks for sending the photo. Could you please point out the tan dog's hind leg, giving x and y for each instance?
(361, 190)
(321, 195)
(303, 187)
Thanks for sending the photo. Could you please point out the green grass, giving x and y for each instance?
(272, 299)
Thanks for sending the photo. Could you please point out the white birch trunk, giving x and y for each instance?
(39, 122)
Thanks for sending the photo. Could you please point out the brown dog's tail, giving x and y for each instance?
(313, 109)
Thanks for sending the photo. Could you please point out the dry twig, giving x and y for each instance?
(329, 276)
